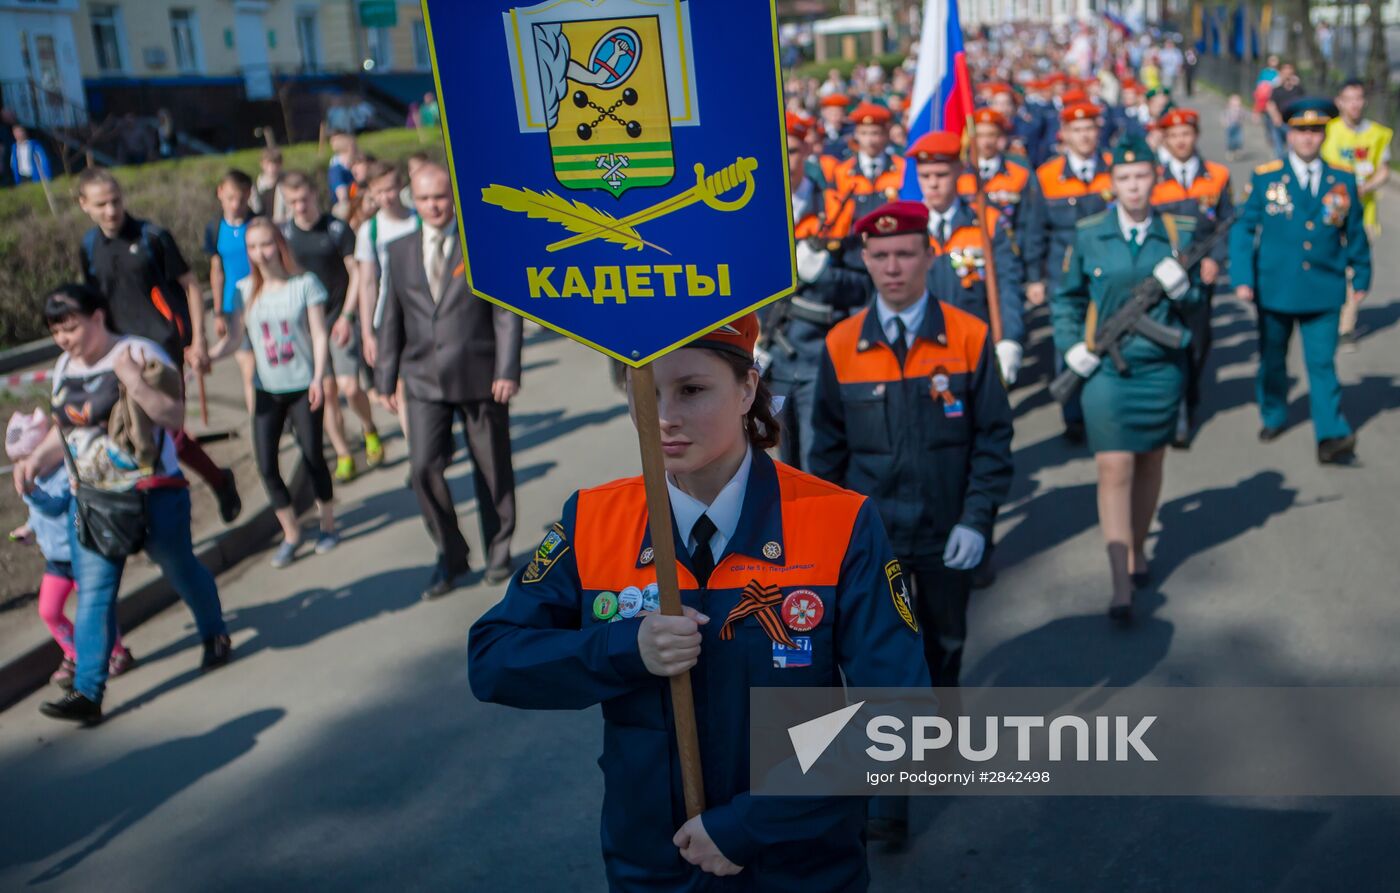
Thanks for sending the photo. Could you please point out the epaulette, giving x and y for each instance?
(1092, 220)
(1270, 167)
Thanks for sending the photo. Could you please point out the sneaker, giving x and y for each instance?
(120, 662)
(374, 449)
(63, 676)
(230, 503)
(285, 554)
(73, 707)
(345, 469)
(218, 650)
(327, 541)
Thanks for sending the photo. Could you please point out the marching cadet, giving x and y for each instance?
(828, 291)
(1131, 415)
(958, 273)
(1072, 187)
(1129, 119)
(787, 580)
(868, 178)
(1008, 184)
(835, 129)
(1022, 130)
(1292, 243)
(911, 412)
(1198, 188)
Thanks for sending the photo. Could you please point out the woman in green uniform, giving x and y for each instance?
(1130, 417)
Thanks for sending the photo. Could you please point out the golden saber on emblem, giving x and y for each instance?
(706, 189)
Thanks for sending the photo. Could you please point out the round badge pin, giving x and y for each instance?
(629, 602)
(941, 383)
(772, 551)
(651, 598)
(803, 610)
(604, 606)
(648, 555)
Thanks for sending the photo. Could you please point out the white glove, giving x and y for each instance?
(1082, 360)
(811, 262)
(965, 548)
(1172, 275)
(1009, 358)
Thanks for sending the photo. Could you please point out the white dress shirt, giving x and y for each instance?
(1127, 226)
(936, 221)
(913, 317)
(989, 167)
(1186, 171)
(724, 511)
(1082, 168)
(871, 166)
(1307, 172)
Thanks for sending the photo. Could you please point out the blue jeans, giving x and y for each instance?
(169, 545)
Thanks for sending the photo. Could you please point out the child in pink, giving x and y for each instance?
(48, 525)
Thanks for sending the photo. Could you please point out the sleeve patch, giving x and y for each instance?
(551, 549)
(899, 593)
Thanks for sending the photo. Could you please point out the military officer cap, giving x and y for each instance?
(737, 337)
(1180, 116)
(870, 113)
(1073, 96)
(991, 116)
(798, 126)
(938, 145)
(1132, 150)
(836, 101)
(1079, 111)
(1158, 91)
(1311, 111)
(893, 219)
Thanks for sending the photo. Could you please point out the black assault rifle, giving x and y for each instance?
(1132, 318)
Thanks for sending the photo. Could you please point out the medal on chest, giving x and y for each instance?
(1279, 201)
(940, 386)
(1337, 201)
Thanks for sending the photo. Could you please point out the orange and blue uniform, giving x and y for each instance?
(565, 637)
(850, 194)
(1066, 200)
(958, 274)
(1015, 193)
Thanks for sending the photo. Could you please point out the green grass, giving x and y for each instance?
(39, 250)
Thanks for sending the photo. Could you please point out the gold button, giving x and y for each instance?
(1306, 265)
(1307, 246)
(1308, 225)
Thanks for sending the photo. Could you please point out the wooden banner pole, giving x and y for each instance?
(664, 551)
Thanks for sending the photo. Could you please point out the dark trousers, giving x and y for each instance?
(1202, 336)
(270, 415)
(487, 427)
(795, 446)
(940, 604)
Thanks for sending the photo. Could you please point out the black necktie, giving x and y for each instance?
(702, 559)
(901, 347)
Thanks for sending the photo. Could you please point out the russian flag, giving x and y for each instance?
(942, 97)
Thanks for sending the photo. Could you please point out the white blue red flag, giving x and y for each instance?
(942, 97)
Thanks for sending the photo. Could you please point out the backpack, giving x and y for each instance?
(150, 234)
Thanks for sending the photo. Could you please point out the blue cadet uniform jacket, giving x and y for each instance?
(807, 592)
(958, 274)
(1293, 248)
(929, 443)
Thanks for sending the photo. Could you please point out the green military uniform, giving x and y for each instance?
(1293, 247)
(1134, 412)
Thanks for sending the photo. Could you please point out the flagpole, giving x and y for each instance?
(980, 208)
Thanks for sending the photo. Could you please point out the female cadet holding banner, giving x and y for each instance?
(786, 581)
(1131, 416)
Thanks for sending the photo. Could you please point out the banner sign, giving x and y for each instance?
(620, 165)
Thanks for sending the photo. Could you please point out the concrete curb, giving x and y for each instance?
(29, 670)
(26, 355)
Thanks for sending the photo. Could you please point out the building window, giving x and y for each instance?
(421, 57)
(184, 34)
(378, 49)
(106, 39)
(308, 39)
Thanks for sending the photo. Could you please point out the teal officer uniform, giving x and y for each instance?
(1293, 246)
(1135, 411)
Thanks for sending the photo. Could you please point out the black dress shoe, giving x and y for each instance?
(218, 650)
(230, 503)
(1337, 450)
(1122, 615)
(439, 585)
(1074, 433)
(500, 574)
(883, 830)
(1268, 435)
(1141, 579)
(73, 707)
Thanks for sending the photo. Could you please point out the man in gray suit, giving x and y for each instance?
(458, 356)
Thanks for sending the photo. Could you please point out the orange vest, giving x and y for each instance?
(847, 183)
(808, 227)
(1211, 180)
(1006, 188)
(856, 361)
(965, 237)
(1056, 186)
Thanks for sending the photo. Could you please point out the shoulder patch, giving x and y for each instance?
(550, 550)
(1270, 167)
(899, 593)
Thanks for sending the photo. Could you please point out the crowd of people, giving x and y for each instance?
(320, 310)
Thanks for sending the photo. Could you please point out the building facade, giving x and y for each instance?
(40, 76)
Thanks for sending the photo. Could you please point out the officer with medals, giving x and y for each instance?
(1293, 241)
(1072, 187)
(1195, 187)
(958, 275)
(1131, 416)
(1008, 184)
(787, 581)
(912, 412)
(869, 177)
(795, 328)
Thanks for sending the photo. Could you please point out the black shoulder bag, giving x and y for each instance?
(111, 523)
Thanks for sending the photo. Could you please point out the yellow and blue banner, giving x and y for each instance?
(620, 165)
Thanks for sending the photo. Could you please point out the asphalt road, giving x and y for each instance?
(343, 750)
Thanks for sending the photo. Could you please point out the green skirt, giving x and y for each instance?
(1135, 412)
